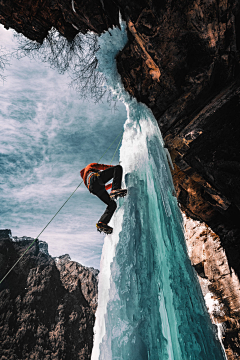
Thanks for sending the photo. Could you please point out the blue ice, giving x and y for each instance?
(150, 303)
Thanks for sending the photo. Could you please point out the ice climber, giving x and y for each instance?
(95, 176)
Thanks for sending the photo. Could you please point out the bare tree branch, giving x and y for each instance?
(78, 57)
(4, 61)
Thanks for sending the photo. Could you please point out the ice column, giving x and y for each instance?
(150, 303)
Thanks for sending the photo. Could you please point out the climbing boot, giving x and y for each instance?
(114, 194)
(101, 227)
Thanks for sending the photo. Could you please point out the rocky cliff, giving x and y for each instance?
(220, 285)
(195, 46)
(47, 305)
(182, 60)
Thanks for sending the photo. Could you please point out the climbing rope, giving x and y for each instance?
(62, 206)
(116, 149)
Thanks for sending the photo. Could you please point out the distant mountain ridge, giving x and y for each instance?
(182, 60)
(196, 102)
(47, 305)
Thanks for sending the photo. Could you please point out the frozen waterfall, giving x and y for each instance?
(150, 302)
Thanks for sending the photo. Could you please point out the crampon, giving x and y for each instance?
(101, 227)
(118, 193)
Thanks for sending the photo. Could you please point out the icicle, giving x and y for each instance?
(150, 302)
(102, 3)
(169, 158)
(73, 6)
(75, 27)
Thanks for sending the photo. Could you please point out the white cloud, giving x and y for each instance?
(48, 134)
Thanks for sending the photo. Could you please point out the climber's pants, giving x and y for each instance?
(97, 187)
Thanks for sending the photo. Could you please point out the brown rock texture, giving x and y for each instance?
(182, 60)
(47, 305)
(219, 283)
(35, 18)
(195, 45)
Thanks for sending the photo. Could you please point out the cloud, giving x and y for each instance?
(48, 134)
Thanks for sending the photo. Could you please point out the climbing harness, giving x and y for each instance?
(89, 177)
(62, 207)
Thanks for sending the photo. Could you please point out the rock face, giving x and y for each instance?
(195, 46)
(35, 18)
(182, 60)
(47, 305)
(219, 283)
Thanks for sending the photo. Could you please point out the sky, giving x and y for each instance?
(48, 134)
